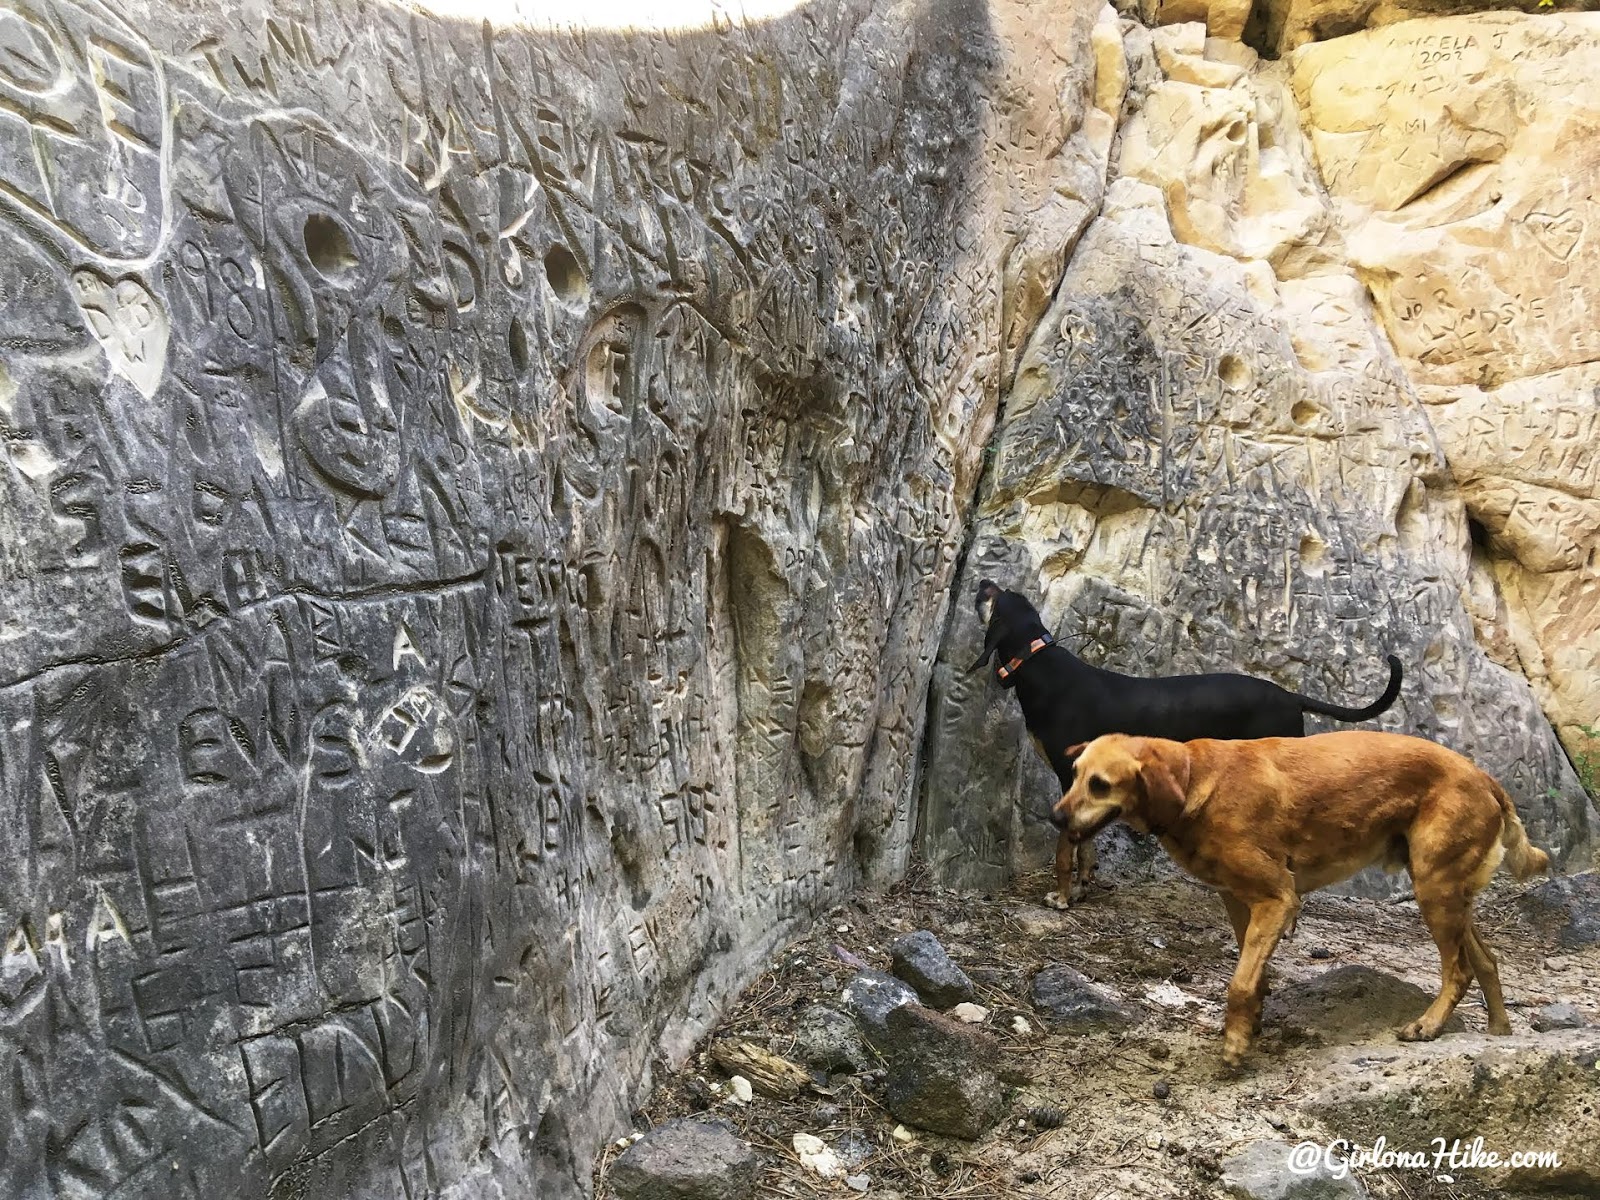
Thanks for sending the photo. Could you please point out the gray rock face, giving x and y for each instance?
(922, 961)
(872, 995)
(941, 1073)
(1570, 905)
(828, 1039)
(476, 510)
(1261, 1172)
(1065, 997)
(686, 1160)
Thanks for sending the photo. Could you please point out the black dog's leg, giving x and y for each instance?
(1066, 852)
(1082, 857)
(1087, 859)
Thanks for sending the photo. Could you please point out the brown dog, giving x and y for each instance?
(1269, 820)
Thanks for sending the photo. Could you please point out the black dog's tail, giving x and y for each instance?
(1340, 713)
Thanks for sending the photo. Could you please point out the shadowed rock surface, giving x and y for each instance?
(477, 507)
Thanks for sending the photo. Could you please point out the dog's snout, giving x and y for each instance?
(1059, 817)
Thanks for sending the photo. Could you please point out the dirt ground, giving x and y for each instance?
(1165, 946)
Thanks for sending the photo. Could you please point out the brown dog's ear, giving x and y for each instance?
(1074, 751)
(1164, 770)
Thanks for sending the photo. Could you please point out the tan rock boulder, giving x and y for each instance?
(1527, 458)
(1462, 154)
(1198, 138)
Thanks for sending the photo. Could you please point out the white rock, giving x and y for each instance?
(972, 1014)
(816, 1155)
(1020, 1026)
(902, 1134)
(743, 1093)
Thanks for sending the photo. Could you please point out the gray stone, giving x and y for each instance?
(1569, 906)
(872, 995)
(1261, 1172)
(1068, 999)
(830, 1040)
(1557, 1016)
(854, 1147)
(922, 961)
(941, 1073)
(686, 1160)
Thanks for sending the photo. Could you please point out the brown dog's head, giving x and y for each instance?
(1141, 781)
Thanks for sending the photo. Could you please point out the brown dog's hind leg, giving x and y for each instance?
(1268, 919)
(1488, 973)
(1446, 912)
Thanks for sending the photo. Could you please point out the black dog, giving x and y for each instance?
(1067, 702)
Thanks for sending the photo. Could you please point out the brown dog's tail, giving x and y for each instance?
(1525, 858)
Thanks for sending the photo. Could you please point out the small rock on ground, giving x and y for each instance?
(1261, 1172)
(941, 1073)
(1068, 998)
(828, 1039)
(872, 995)
(1557, 1016)
(920, 960)
(686, 1160)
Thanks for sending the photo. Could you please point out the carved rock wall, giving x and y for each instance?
(1317, 385)
(476, 514)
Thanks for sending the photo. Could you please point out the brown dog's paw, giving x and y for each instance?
(1500, 1029)
(1417, 1031)
(1079, 893)
(1054, 900)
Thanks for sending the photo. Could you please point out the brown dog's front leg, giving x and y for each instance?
(1239, 918)
(1268, 919)
(1062, 897)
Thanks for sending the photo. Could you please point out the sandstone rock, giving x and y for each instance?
(686, 1160)
(921, 960)
(941, 1073)
(1464, 195)
(1527, 1092)
(1439, 139)
(1261, 1172)
(871, 996)
(1353, 1003)
(828, 1039)
(1568, 906)
(1212, 457)
(1066, 998)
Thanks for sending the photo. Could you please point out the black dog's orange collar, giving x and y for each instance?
(1004, 672)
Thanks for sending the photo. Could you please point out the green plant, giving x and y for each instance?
(1586, 762)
